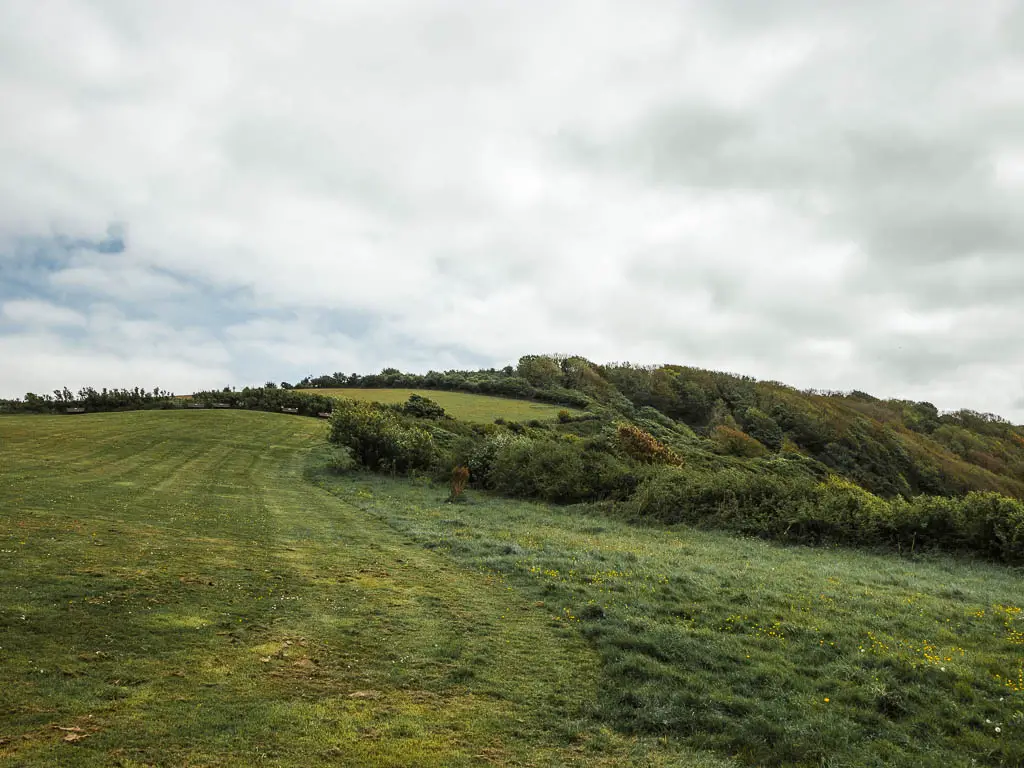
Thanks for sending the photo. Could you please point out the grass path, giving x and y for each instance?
(461, 405)
(174, 592)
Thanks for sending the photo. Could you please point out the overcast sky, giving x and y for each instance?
(201, 194)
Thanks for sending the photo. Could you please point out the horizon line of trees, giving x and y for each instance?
(90, 399)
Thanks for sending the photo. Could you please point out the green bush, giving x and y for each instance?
(608, 477)
(763, 428)
(994, 524)
(840, 511)
(925, 521)
(836, 511)
(379, 439)
(423, 408)
(733, 442)
(552, 470)
(481, 455)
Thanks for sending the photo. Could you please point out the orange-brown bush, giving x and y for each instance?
(645, 447)
(736, 443)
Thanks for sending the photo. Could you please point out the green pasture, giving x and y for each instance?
(175, 592)
(774, 655)
(460, 405)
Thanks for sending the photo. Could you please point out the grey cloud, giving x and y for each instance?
(112, 243)
(797, 190)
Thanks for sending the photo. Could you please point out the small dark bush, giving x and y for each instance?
(423, 408)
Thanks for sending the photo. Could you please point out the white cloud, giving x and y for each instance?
(40, 314)
(126, 282)
(40, 362)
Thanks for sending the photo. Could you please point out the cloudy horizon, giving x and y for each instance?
(201, 195)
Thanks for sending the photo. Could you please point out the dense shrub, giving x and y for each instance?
(763, 428)
(481, 456)
(607, 476)
(749, 502)
(552, 470)
(840, 511)
(734, 442)
(423, 408)
(266, 399)
(544, 466)
(994, 524)
(765, 459)
(379, 439)
(837, 511)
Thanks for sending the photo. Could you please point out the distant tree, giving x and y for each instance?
(540, 370)
(763, 428)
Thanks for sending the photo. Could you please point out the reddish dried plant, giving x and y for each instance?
(460, 479)
(643, 446)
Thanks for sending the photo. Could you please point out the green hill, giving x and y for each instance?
(889, 447)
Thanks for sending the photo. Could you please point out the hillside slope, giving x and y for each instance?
(889, 447)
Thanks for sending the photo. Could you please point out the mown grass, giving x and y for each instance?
(776, 655)
(460, 405)
(174, 592)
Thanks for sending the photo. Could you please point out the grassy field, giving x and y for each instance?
(193, 588)
(462, 405)
(775, 655)
(175, 592)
